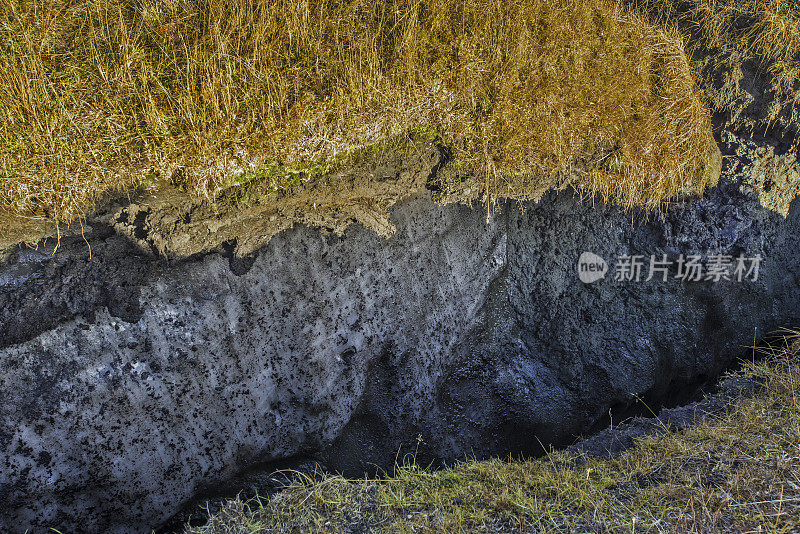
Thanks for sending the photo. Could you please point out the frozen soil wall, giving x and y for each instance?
(144, 362)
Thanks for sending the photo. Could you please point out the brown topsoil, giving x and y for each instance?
(173, 223)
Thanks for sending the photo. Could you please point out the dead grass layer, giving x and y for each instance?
(767, 31)
(738, 471)
(745, 53)
(529, 94)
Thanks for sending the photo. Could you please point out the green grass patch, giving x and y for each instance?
(273, 179)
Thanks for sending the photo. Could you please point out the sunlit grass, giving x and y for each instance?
(767, 31)
(531, 93)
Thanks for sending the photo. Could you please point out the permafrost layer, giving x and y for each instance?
(131, 383)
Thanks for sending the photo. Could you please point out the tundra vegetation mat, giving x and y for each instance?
(204, 96)
(736, 471)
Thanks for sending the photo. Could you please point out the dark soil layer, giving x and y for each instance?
(134, 382)
(732, 467)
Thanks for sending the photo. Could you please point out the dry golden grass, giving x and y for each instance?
(768, 30)
(96, 95)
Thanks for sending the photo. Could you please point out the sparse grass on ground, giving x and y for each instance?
(737, 472)
(96, 96)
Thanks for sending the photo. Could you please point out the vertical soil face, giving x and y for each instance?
(132, 382)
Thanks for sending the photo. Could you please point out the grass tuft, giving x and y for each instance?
(533, 93)
(767, 31)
